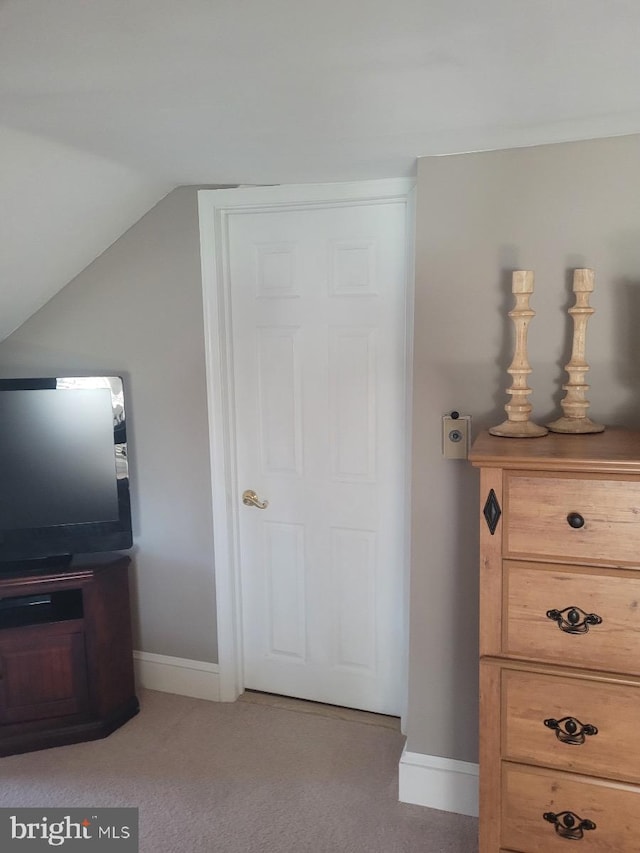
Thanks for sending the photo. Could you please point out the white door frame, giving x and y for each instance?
(215, 207)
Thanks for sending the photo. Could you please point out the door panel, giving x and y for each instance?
(318, 340)
(43, 672)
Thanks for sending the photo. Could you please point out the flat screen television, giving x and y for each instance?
(64, 478)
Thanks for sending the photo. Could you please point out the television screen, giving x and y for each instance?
(64, 484)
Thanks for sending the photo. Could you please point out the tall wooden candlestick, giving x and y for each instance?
(575, 403)
(518, 410)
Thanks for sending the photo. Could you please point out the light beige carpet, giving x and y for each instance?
(248, 777)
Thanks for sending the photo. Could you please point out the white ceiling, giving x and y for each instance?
(107, 105)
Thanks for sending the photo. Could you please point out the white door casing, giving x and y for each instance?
(306, 298)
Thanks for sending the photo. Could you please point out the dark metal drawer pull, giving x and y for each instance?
(575, 520)
(571, 731)
(573, 620)
(569, 825)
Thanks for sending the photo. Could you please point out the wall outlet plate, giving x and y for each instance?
(456, 436)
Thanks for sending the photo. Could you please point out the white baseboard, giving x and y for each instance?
(438, 783)
(195, 678)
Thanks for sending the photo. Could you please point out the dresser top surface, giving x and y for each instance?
(615, 451)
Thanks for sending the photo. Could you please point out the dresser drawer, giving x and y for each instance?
(563, 721)
(541, 508)
(546, 611)
(529, 793)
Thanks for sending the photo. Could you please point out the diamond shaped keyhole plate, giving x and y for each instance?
(492, 512)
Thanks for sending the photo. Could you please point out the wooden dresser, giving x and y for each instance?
(560, 643)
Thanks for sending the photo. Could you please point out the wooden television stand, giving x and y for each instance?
(66, 662)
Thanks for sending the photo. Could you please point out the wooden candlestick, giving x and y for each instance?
(575, 403)
(518, 410)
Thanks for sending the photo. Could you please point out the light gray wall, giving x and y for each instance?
(480, 216)
(137, 311)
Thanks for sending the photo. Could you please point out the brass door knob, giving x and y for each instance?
(249, 498)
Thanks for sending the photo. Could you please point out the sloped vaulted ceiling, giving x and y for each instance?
(105, 106)
(60, 209)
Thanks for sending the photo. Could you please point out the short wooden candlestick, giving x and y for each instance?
(575, 403)
(518, 410)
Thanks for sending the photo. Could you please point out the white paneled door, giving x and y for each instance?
(317, 302)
